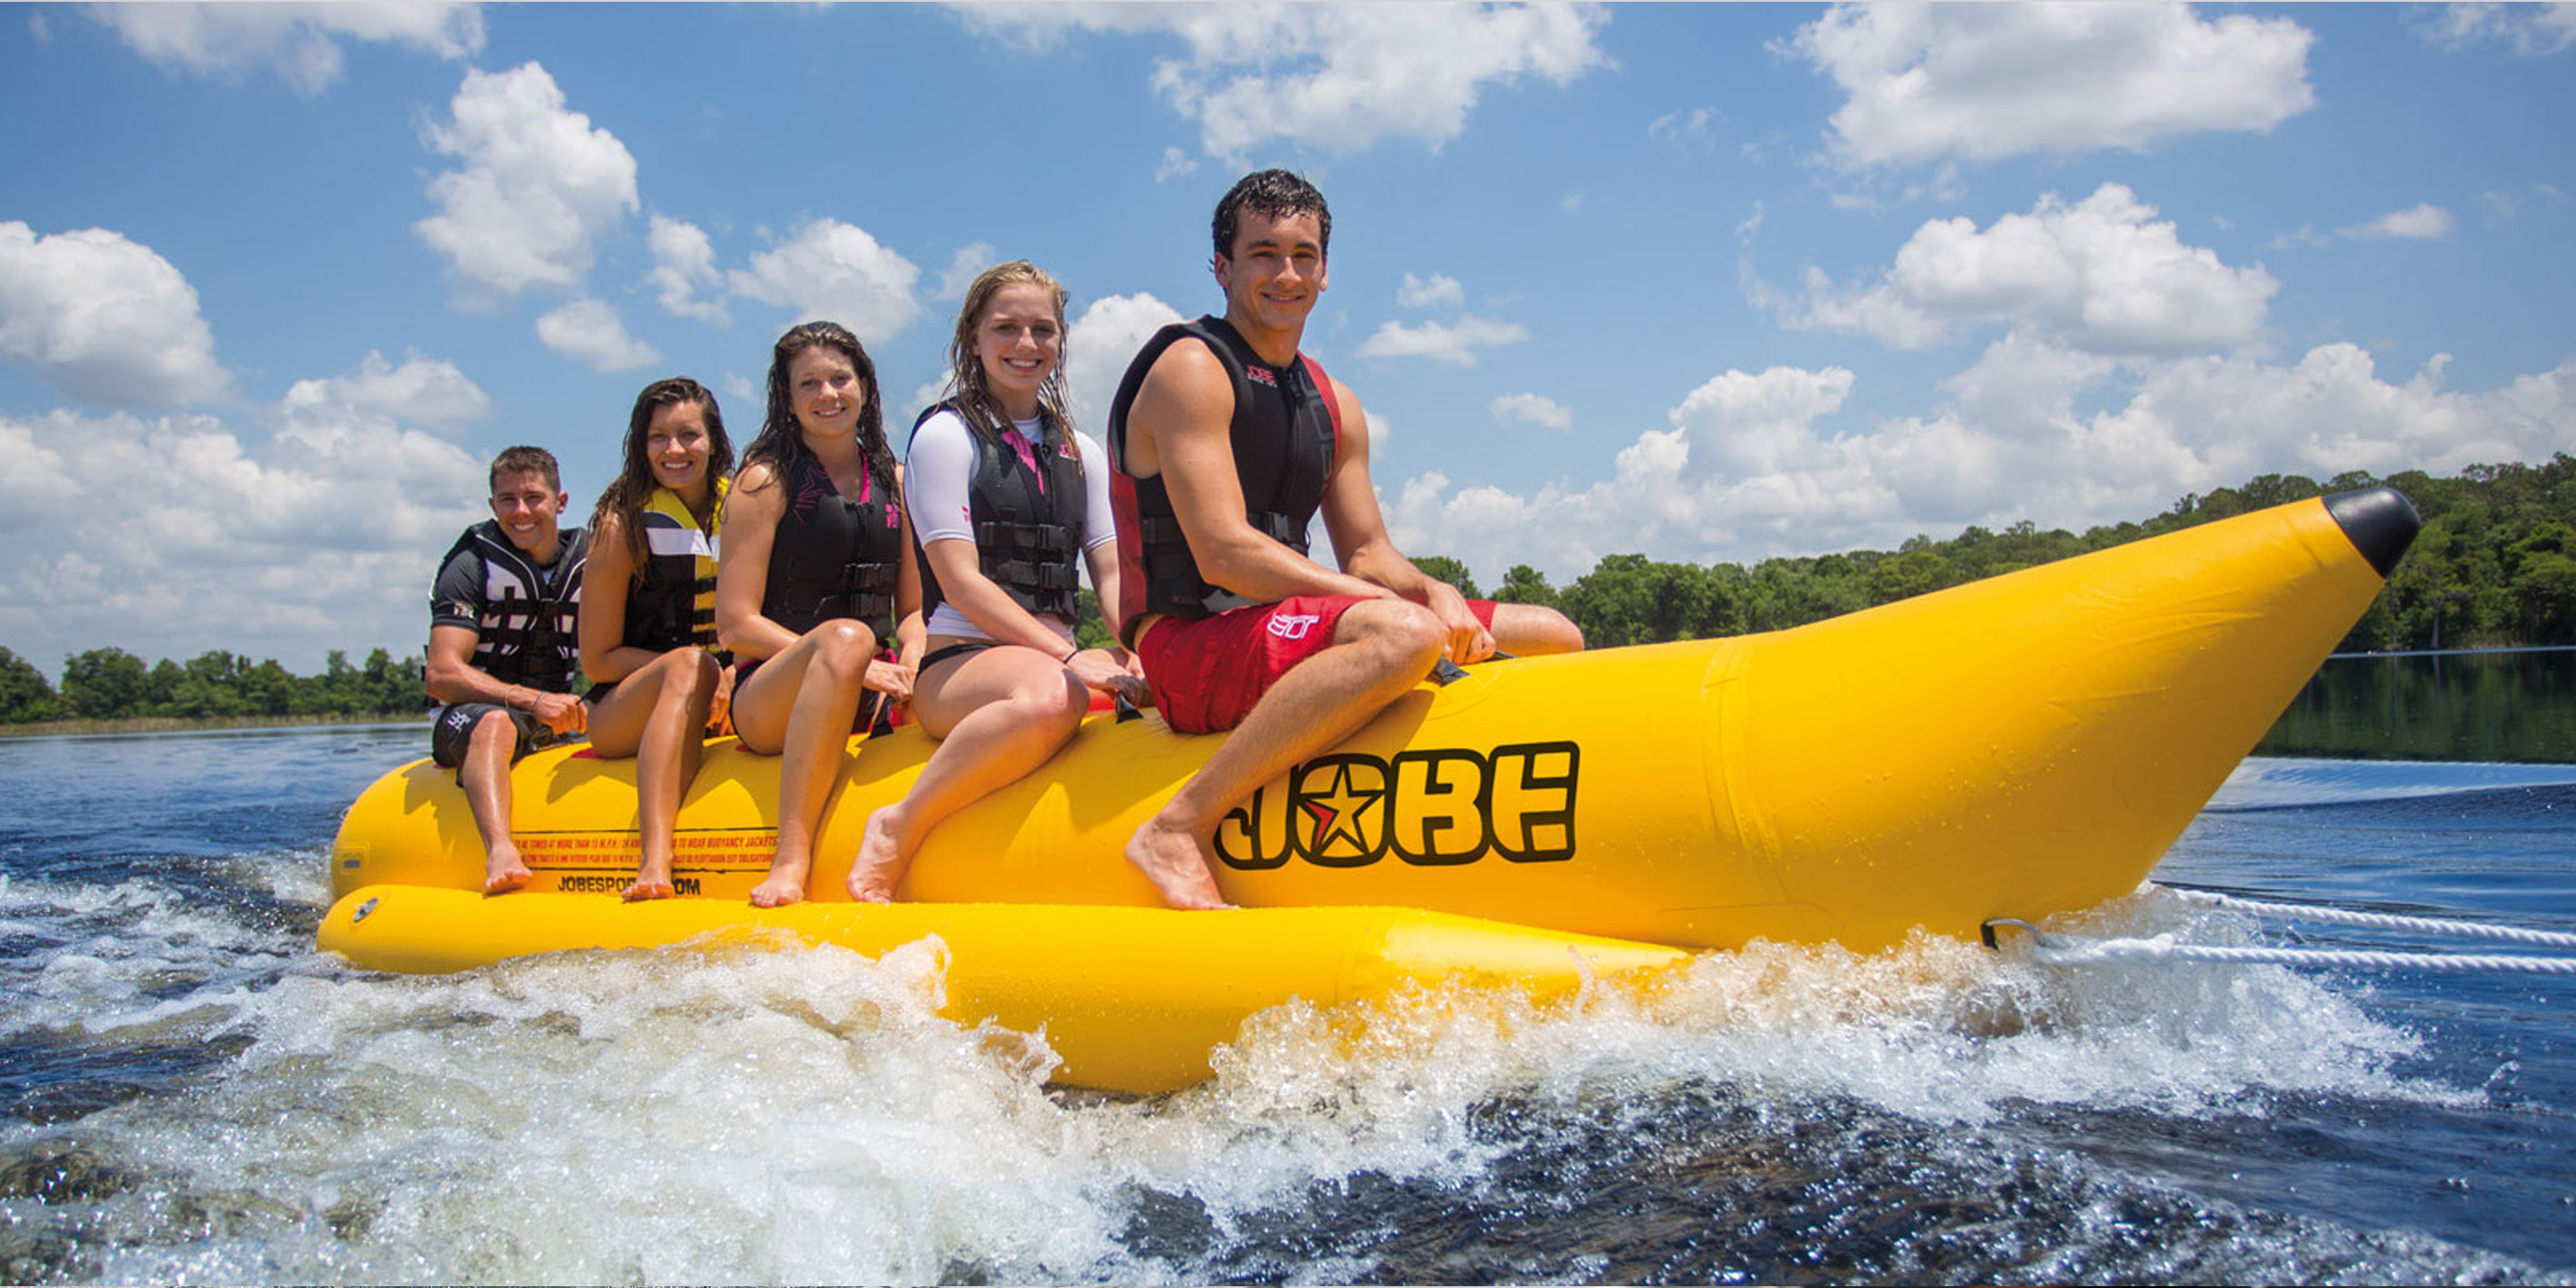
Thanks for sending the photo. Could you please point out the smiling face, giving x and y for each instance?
(1018, 342)
(676, 444)
(824, 390)
(1275, 274)
(528, 509)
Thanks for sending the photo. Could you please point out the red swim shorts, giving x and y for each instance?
(1207, 672)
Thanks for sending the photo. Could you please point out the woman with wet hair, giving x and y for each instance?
(1009, 502)
(647, 622)
(817, 579)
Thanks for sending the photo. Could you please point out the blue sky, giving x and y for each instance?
(1705, 282)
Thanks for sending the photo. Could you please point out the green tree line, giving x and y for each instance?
(2495, 566)
(112, 684)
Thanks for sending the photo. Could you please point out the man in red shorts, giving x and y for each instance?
(1226, 441)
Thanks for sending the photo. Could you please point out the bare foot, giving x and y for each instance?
(652, 881)
(786, 884)
(502, 870)
(1172, 860)
(880, 861)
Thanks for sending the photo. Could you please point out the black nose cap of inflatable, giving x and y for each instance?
(2380, 521)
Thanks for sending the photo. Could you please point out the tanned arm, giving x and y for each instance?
(910, 638)
(1360, 543)
(605, 583)
(1180, 426)
(453, 677)
(752, 510)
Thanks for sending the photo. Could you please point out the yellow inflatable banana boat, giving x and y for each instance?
(2020, 746)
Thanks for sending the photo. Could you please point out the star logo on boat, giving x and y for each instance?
(1337, 811)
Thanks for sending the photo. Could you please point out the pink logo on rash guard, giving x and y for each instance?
(1027, 454)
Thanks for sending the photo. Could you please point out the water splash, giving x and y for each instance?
(732, 1112)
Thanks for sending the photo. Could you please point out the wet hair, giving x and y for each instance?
(1277, 194)
(781, 442)
(626, 495)
(526, 460)
(967, 387)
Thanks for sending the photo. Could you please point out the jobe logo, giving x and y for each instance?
(1432, 807)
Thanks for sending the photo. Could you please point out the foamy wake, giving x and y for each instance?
(737, 1113)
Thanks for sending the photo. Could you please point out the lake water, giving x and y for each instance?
(195, 1095)
(2488, 704)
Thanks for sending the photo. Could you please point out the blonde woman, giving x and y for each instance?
(1008, 502)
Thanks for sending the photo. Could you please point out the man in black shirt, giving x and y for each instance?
(503, 651)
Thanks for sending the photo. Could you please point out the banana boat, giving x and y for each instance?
(2025, 745)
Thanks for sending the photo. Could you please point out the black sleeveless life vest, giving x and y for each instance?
(674, 602)
(1027, 522)
(526, 628)
(1284, 433)
(832, 556)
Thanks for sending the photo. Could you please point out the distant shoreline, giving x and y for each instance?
(181, 724)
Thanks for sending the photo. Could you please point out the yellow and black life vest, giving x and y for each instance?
(674, 602)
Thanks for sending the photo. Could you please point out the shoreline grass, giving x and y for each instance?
(191, 724)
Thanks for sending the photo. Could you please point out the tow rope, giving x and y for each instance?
(2051, 949)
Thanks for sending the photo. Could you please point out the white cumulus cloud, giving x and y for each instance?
(1756, 464)
(2102, 274)
(836, 272)
(537, 183)
(1452, 343)
(1532, 409)
(590, 331)
(1685, 130)
(104, 319)
(2422, 221)
(299, 42)
(2330, 411)
(1337, 78)
(312, 527)
(684, 263)
(964, 267)
(2025, 387)
(1098, 346)
(2529, 30)
(923, 395)
(426, 391)
(1426, 292)
(1983, 82)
